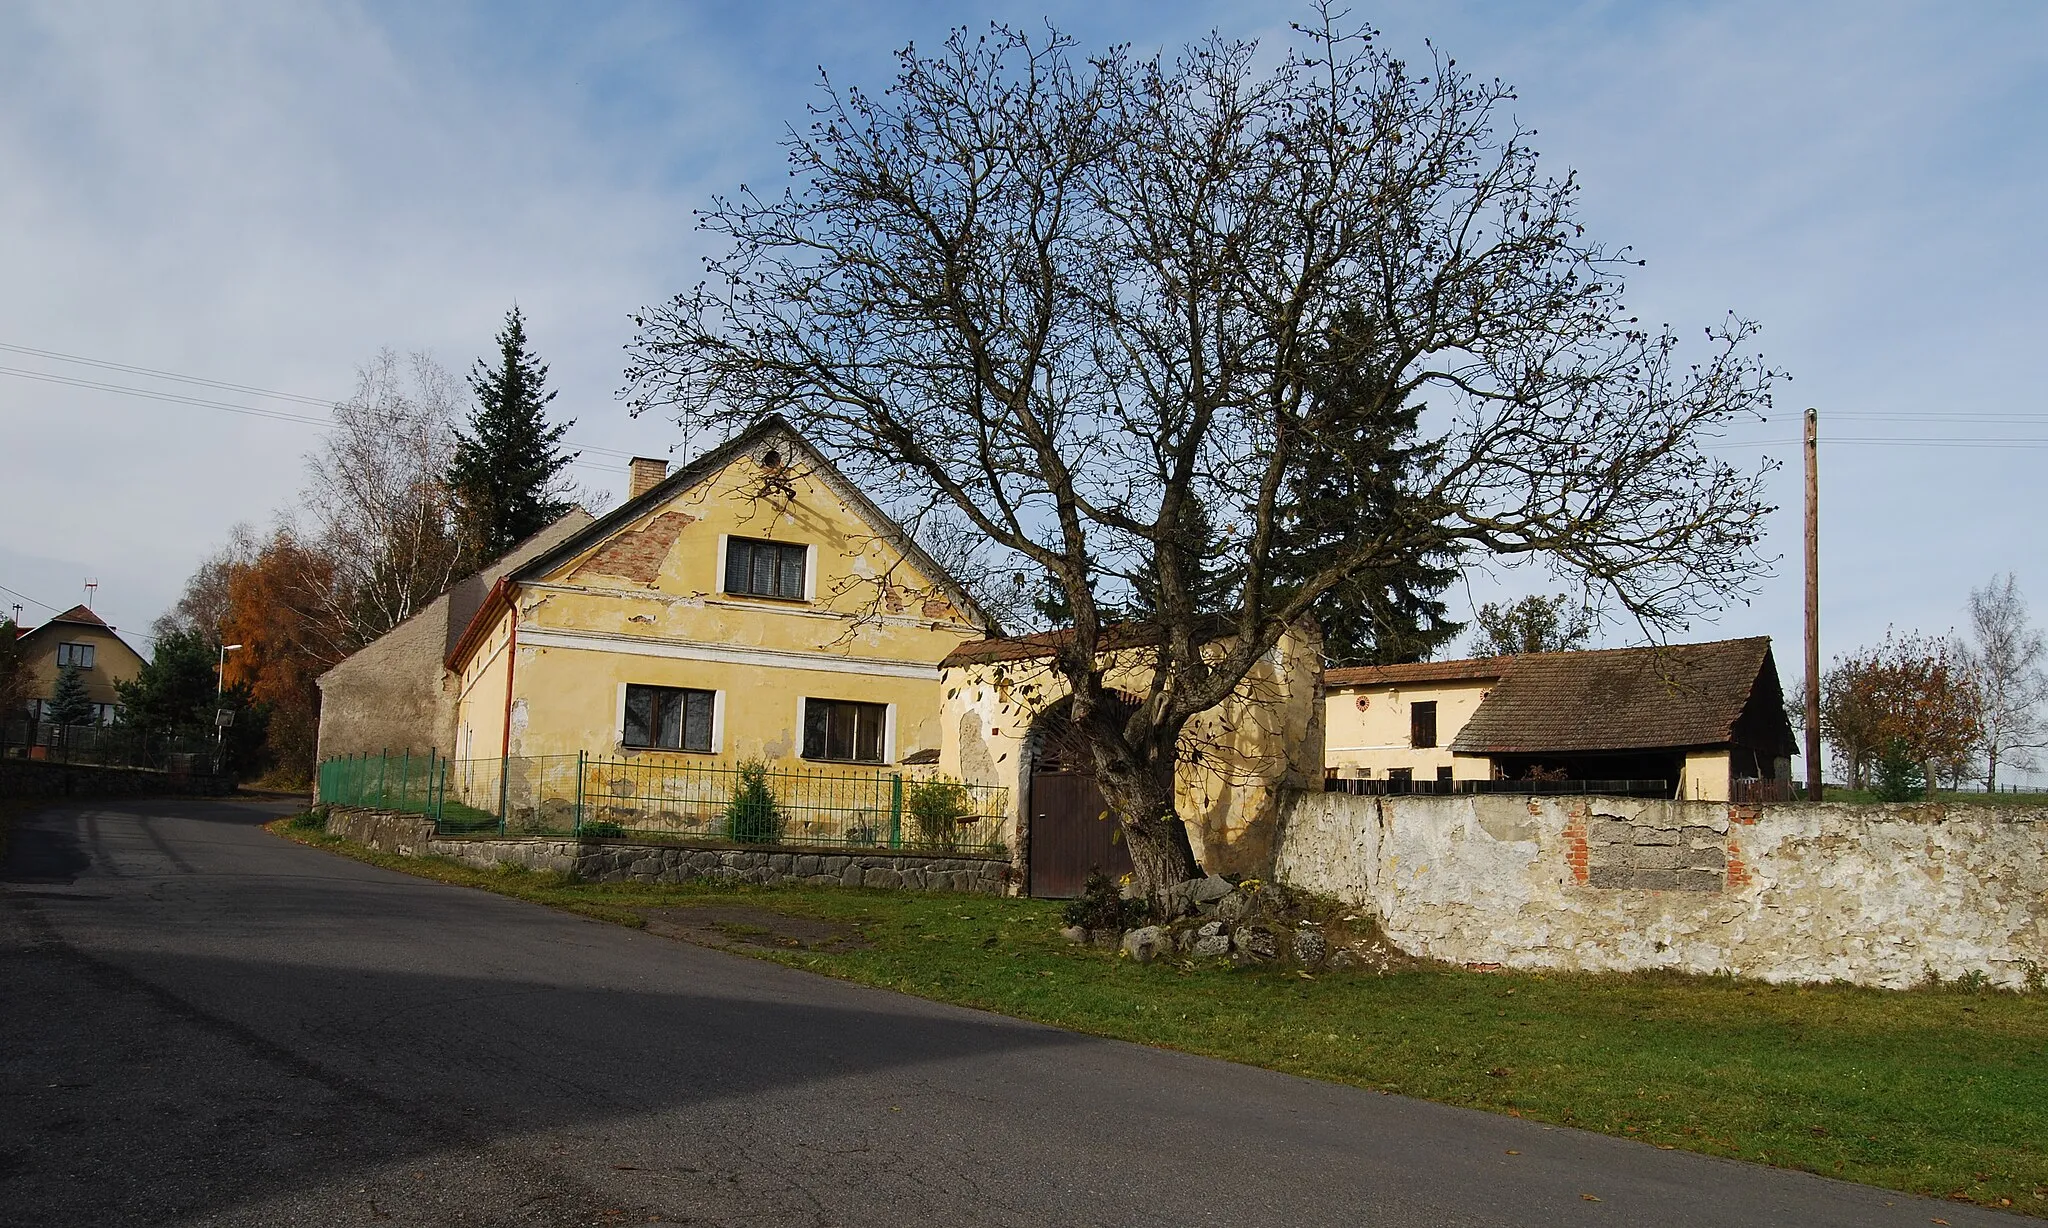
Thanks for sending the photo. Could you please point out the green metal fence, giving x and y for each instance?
(416, 784)
(651, 797)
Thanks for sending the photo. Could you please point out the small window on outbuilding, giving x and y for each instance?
(1422, 724)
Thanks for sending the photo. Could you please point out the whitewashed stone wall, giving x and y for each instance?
(1875, 895)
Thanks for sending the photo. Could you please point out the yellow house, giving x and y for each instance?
(1704, 722)
(754, 605)
(77, 637)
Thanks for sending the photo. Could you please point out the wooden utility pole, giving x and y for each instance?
(1813, 784)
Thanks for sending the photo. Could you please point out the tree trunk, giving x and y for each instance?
(1161, 858)
(1157, 839)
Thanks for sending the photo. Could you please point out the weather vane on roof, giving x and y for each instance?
(91, 587)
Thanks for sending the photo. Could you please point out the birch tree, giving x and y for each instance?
(377, 501)
(2010, 664)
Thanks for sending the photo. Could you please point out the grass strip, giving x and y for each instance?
(1939, 1091)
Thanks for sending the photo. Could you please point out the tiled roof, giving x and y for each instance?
(82, 616)
(1475, 669)
(1671, 696)
(1044, 643)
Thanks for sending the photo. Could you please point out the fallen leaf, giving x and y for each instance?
(1589, 1198)
(1513, 1152)
(1500, 1072)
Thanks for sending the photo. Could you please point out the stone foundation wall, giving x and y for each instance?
(1875, 895)
(616, 861)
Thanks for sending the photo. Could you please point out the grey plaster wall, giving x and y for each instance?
(1875, 895)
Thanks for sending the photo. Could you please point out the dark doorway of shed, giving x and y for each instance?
(1071, 834)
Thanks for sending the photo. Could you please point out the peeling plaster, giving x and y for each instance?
(1874, 895)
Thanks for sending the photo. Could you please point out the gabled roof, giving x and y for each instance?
(76, 616)
(79, 616)
(1676, 695)
(775, 428)
(1477, 669)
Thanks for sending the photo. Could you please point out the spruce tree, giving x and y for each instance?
(505, 468)
(71, 703)
(1359, 486)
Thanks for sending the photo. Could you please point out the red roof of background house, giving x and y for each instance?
(79, 614)
(1477, 669)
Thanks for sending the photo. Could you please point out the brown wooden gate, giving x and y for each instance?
(1069, 836)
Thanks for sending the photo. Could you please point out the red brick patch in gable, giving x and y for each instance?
(638, 553)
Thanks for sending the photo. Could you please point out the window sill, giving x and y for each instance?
(628, 747)
(847, 762)
(767, 597)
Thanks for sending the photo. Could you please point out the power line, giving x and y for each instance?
(32, 601)
(177, 398)
(170, 375)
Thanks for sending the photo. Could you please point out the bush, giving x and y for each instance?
(603, 830)
(935, 808)
(751, 817)
(1101, 906)
(309, 820)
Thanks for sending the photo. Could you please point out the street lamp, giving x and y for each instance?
(220, 688)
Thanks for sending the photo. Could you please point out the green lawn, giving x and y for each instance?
(1940, 1092)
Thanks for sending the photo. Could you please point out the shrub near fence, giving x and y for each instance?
(671, 800)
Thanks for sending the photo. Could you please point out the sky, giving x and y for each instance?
(265, 194)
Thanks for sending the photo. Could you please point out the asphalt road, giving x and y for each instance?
(201, 1023)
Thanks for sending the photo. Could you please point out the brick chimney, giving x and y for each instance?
(648, 473)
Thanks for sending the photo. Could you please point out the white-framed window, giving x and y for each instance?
(845, 731)
(74, 654)
(765, 569)
(669, 718)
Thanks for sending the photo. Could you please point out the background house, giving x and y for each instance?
(1698, 717)
(77, 637)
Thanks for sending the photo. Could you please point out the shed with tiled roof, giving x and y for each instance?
(1699, 718)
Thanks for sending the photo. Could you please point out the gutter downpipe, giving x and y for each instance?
(505, 746)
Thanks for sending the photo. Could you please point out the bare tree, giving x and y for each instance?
(377, 500)
(1076, 300)
(2010, 661)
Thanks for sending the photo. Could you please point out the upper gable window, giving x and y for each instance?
(764, 569)
(75, 654)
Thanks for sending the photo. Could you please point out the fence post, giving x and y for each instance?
(896, 810)
(405, 779)
(383, 770)
(582, 759)
(504, 789)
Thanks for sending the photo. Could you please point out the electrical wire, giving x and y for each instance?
(178, 398)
